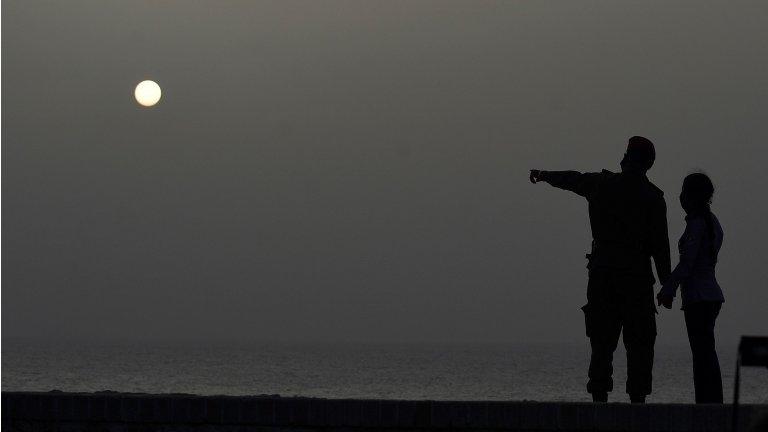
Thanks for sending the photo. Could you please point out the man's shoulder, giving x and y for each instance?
(651, 191)
(604, 175)
(610, 177)
(656, 190)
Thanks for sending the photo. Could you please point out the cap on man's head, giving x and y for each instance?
(640, 150)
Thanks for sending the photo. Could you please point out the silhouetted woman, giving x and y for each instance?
(695, 273)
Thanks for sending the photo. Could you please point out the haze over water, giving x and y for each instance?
(551, 372)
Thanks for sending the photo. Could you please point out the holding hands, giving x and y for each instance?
(664, 299)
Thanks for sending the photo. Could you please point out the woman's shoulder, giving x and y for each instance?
(717, 224)
(700, 223)
(695, 222)
(695, 226)
(714, 219)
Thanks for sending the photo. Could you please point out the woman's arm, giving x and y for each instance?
(689, 248)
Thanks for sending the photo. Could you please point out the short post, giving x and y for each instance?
(753, 351)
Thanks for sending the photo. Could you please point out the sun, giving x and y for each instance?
(147, 93)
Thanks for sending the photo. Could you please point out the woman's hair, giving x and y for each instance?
(699, 189)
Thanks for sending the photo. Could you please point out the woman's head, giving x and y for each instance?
(697, 192)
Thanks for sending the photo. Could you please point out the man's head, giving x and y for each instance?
(640, 154)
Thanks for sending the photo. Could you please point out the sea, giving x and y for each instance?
(425, 371)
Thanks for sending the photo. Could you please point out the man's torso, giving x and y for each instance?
(620, 217)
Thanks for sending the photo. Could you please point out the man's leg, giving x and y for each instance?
(603, 342)
(639, 339)
(603, 329)
(700, 324)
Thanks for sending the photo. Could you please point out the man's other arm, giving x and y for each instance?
(660, 241)
(580, 183)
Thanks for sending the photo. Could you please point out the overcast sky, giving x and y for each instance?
(357, 170)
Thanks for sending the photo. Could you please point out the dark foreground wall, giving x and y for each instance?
(57, 411)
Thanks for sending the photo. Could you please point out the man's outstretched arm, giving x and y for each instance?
(580, 183)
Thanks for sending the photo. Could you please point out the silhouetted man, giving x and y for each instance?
(628, 216)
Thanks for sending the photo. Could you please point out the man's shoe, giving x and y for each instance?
(637, 399)
(599, 397)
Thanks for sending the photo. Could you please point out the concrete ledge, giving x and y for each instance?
(110, 411)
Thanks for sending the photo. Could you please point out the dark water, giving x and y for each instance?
(391, 371)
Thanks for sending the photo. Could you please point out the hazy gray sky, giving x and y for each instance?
(357, 170)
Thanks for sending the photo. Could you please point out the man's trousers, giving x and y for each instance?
(619, 302)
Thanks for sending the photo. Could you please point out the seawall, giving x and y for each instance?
(119, 412)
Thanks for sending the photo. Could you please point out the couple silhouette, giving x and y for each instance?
(628, 218)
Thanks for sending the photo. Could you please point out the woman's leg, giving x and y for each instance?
(700, 323)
